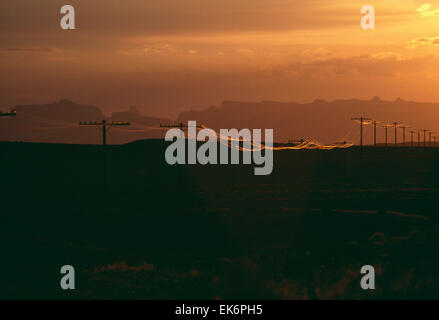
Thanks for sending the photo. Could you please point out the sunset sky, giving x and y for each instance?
(171, 55)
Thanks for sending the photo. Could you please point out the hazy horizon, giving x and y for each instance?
(107, 112)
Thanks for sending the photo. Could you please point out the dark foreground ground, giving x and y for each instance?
(218, 232)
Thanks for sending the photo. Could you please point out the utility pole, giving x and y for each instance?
(299, 141)
(13, 113)
(179, 125)
(386, 126)
(419, 138)
(429, 143)
(104, 126)
(375, 133)
(362, 121)
(386, 134)
(8, 114)
(404, 127)
(425, 135)
(396, 132)
(411, 136)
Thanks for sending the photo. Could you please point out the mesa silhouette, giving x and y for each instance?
(321, 120)
(57, 122)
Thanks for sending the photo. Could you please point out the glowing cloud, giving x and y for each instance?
(426, 10)
(424, 41)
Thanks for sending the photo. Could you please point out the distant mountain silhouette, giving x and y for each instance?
(134, 115)
(58, 122)
(62, 110)
(321, 120)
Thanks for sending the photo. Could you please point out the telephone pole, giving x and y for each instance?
(362, 121)
(8, 114)
(298, 141)
(386, 126)
(179, 125)
(13, 113)
(425, 136)
(375, 133)
(411, 136)
(396, 132)
(404, 127)
(429, 142)
(104, 126)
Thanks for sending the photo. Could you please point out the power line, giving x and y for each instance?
(296, 141)
(179, 125)
(13, 113)
(362, 120)
(104, 126)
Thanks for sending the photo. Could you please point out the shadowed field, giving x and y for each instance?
(154, 231)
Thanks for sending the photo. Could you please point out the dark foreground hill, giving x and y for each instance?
(157, 231)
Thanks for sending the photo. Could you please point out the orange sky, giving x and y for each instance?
(171, 55)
